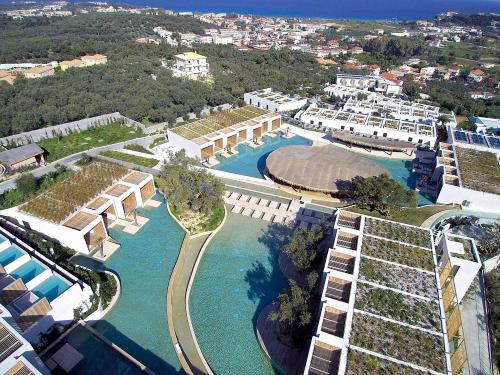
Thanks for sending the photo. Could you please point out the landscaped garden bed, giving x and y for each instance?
(398, 306)
(479, 170)
(359, 363)
(134, 159)
(398, 253)
(402, 278)
(61, 146)
(412, 235)
(398, 341)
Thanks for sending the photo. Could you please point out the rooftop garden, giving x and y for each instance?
(397, 252)
(138, 148)
(359, 363)
(479, 170)
(398, 341)
(398, 232)
(402, 278)
(134, 159)
(63, 145)
(398, 306)
(218, 121)
(67, 196)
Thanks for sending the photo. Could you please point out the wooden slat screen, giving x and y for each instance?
(147, 191)
(453, 323)
(448, 296)
(129, 203)
(33, 314)
(276, 124)
(12, 291)
(458, 358)
(445, 273)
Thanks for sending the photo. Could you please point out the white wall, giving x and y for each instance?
(192, 149)
(66, 236)
(480, 201)
(253, 99)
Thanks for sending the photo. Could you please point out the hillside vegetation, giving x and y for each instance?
(133, 82)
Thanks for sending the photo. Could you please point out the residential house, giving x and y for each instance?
(39, 72)
(476, 75)
(22, 156)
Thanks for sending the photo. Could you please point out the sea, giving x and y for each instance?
(331, 9)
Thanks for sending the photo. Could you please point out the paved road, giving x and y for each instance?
(39, 172)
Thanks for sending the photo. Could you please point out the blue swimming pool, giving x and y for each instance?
(400, 170)
(237, 277)
(51, 288)
(144, 263)
(28, 271)
(251, 162)
(9, 255)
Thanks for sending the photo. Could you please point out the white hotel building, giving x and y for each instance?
(370, 83)
(35, 292)
(368, 268)
(274, 101)
(370, 125)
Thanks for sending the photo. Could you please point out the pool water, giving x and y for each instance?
(9, 255)
(51, 288)
(252, 162)
(138, 322)
(400, 170)
(237, 277)
(28, 271)
(100, 358)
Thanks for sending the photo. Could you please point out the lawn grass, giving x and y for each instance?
(61, 146)
(412, 216)
(138, 148)
(139, 160)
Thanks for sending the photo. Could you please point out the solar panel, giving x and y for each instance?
(460, 136)
(477, 139)
(494, 142)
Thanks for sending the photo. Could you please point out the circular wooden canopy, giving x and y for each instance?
(327, 169)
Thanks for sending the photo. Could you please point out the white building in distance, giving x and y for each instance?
(370, 83)
(370, 125)
(274, 101)
(190, 64)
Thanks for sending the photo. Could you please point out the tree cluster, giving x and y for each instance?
(382, 193)
(188, 187)
(133, 82)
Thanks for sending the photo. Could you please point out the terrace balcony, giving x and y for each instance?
(450, 180)
(451, 171)
(349, 220)
(446, 146)
(325, 359)
(338, 289)
(347, 240)
(446, 161)
(448, 154)
(334, 321)
(341, 262)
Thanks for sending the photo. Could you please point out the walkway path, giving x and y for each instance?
(180, 317)
(66, 161)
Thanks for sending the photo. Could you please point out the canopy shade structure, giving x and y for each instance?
(327, 169)
(373, 141)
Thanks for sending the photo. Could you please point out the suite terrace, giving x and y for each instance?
(383, 304)
(78, 210)
(67, 196)
(203, 138)
(218, 121)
